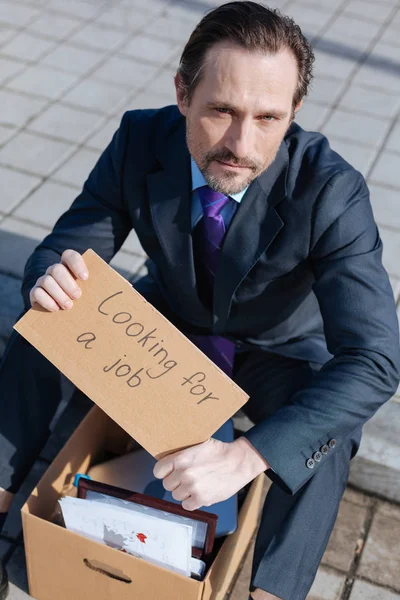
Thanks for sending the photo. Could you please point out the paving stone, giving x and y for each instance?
(385, 55)
(386, 169)
(169, 29)
(54, 25)
(76, 170)
(337, 67)
(16, 593)
(126, 264)
(377, 78)
(17, 14)
(164, 84)
(393, 142)
(346, 27)
(74, 60)
(356, 128)
(391, 36)
(42, 81)
(27, 47)
(154, 7)
(46, 204)
(124, 18)
(310, 19)
(376, 467)
(373, 102)
(9, 68)
(18, 110)
(125, 72)
(325, 90)
(356, 497)
(377, 13)
(13, 524)
(151, 50)
(11, 304)
(348, 530)
(360, 157)
(97, 96)
(311, 116)
(6, 132)
(17, 242)
(14, 187)
(379, 562)
(77, 8)
(386, 205)
(186, 12)
(70, 124)
(150, 99)
(101, 139)
(327, 585)
(34, 153)
(6, 33)
(366, 591)
(99, 37)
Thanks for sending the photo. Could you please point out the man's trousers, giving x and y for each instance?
(294, 530)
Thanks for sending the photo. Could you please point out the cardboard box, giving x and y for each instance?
(62, 565)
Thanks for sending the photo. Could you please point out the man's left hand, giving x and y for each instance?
(209, 472)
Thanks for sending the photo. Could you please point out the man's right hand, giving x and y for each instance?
(57, 287)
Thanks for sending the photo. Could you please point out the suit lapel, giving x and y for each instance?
(170, 205)
(253, 228)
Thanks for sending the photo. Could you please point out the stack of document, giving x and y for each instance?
(160, 537)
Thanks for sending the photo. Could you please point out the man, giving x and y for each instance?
(263, 249)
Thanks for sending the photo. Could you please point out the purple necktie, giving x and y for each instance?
(220, 350)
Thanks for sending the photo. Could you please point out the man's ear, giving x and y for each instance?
(181, 96)
(299, 105)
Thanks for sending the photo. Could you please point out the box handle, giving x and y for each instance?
(95, 565)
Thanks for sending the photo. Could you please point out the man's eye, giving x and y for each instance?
(268, 118)
(222, 110)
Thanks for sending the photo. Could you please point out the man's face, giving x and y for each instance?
(239, 113)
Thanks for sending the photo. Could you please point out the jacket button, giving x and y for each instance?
(332, 443)
(317, 456)
(324, 449)
(310, 463)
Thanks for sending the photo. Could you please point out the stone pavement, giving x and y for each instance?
(68, 71)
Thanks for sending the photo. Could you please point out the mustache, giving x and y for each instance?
(229, 157)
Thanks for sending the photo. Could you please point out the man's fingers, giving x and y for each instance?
(191, 503)
(180, 493)
(75, 263)
(50, 285)
(171, 481)
(39, 296)
(164, 467)
(65, 280)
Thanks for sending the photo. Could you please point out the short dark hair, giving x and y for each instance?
(252, 26)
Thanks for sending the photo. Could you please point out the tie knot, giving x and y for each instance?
(211, 201)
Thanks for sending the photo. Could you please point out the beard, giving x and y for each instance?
(227, 183)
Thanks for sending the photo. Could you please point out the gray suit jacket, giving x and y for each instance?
(300, 271)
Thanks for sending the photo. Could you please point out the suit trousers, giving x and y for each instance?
(294, 530)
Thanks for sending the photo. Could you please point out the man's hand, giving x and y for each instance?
(57, 287)
(209, 472)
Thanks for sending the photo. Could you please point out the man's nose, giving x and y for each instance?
(239, 140)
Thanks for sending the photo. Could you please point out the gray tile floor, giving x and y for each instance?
(68, 71)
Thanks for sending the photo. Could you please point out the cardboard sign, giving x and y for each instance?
(133, 363)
